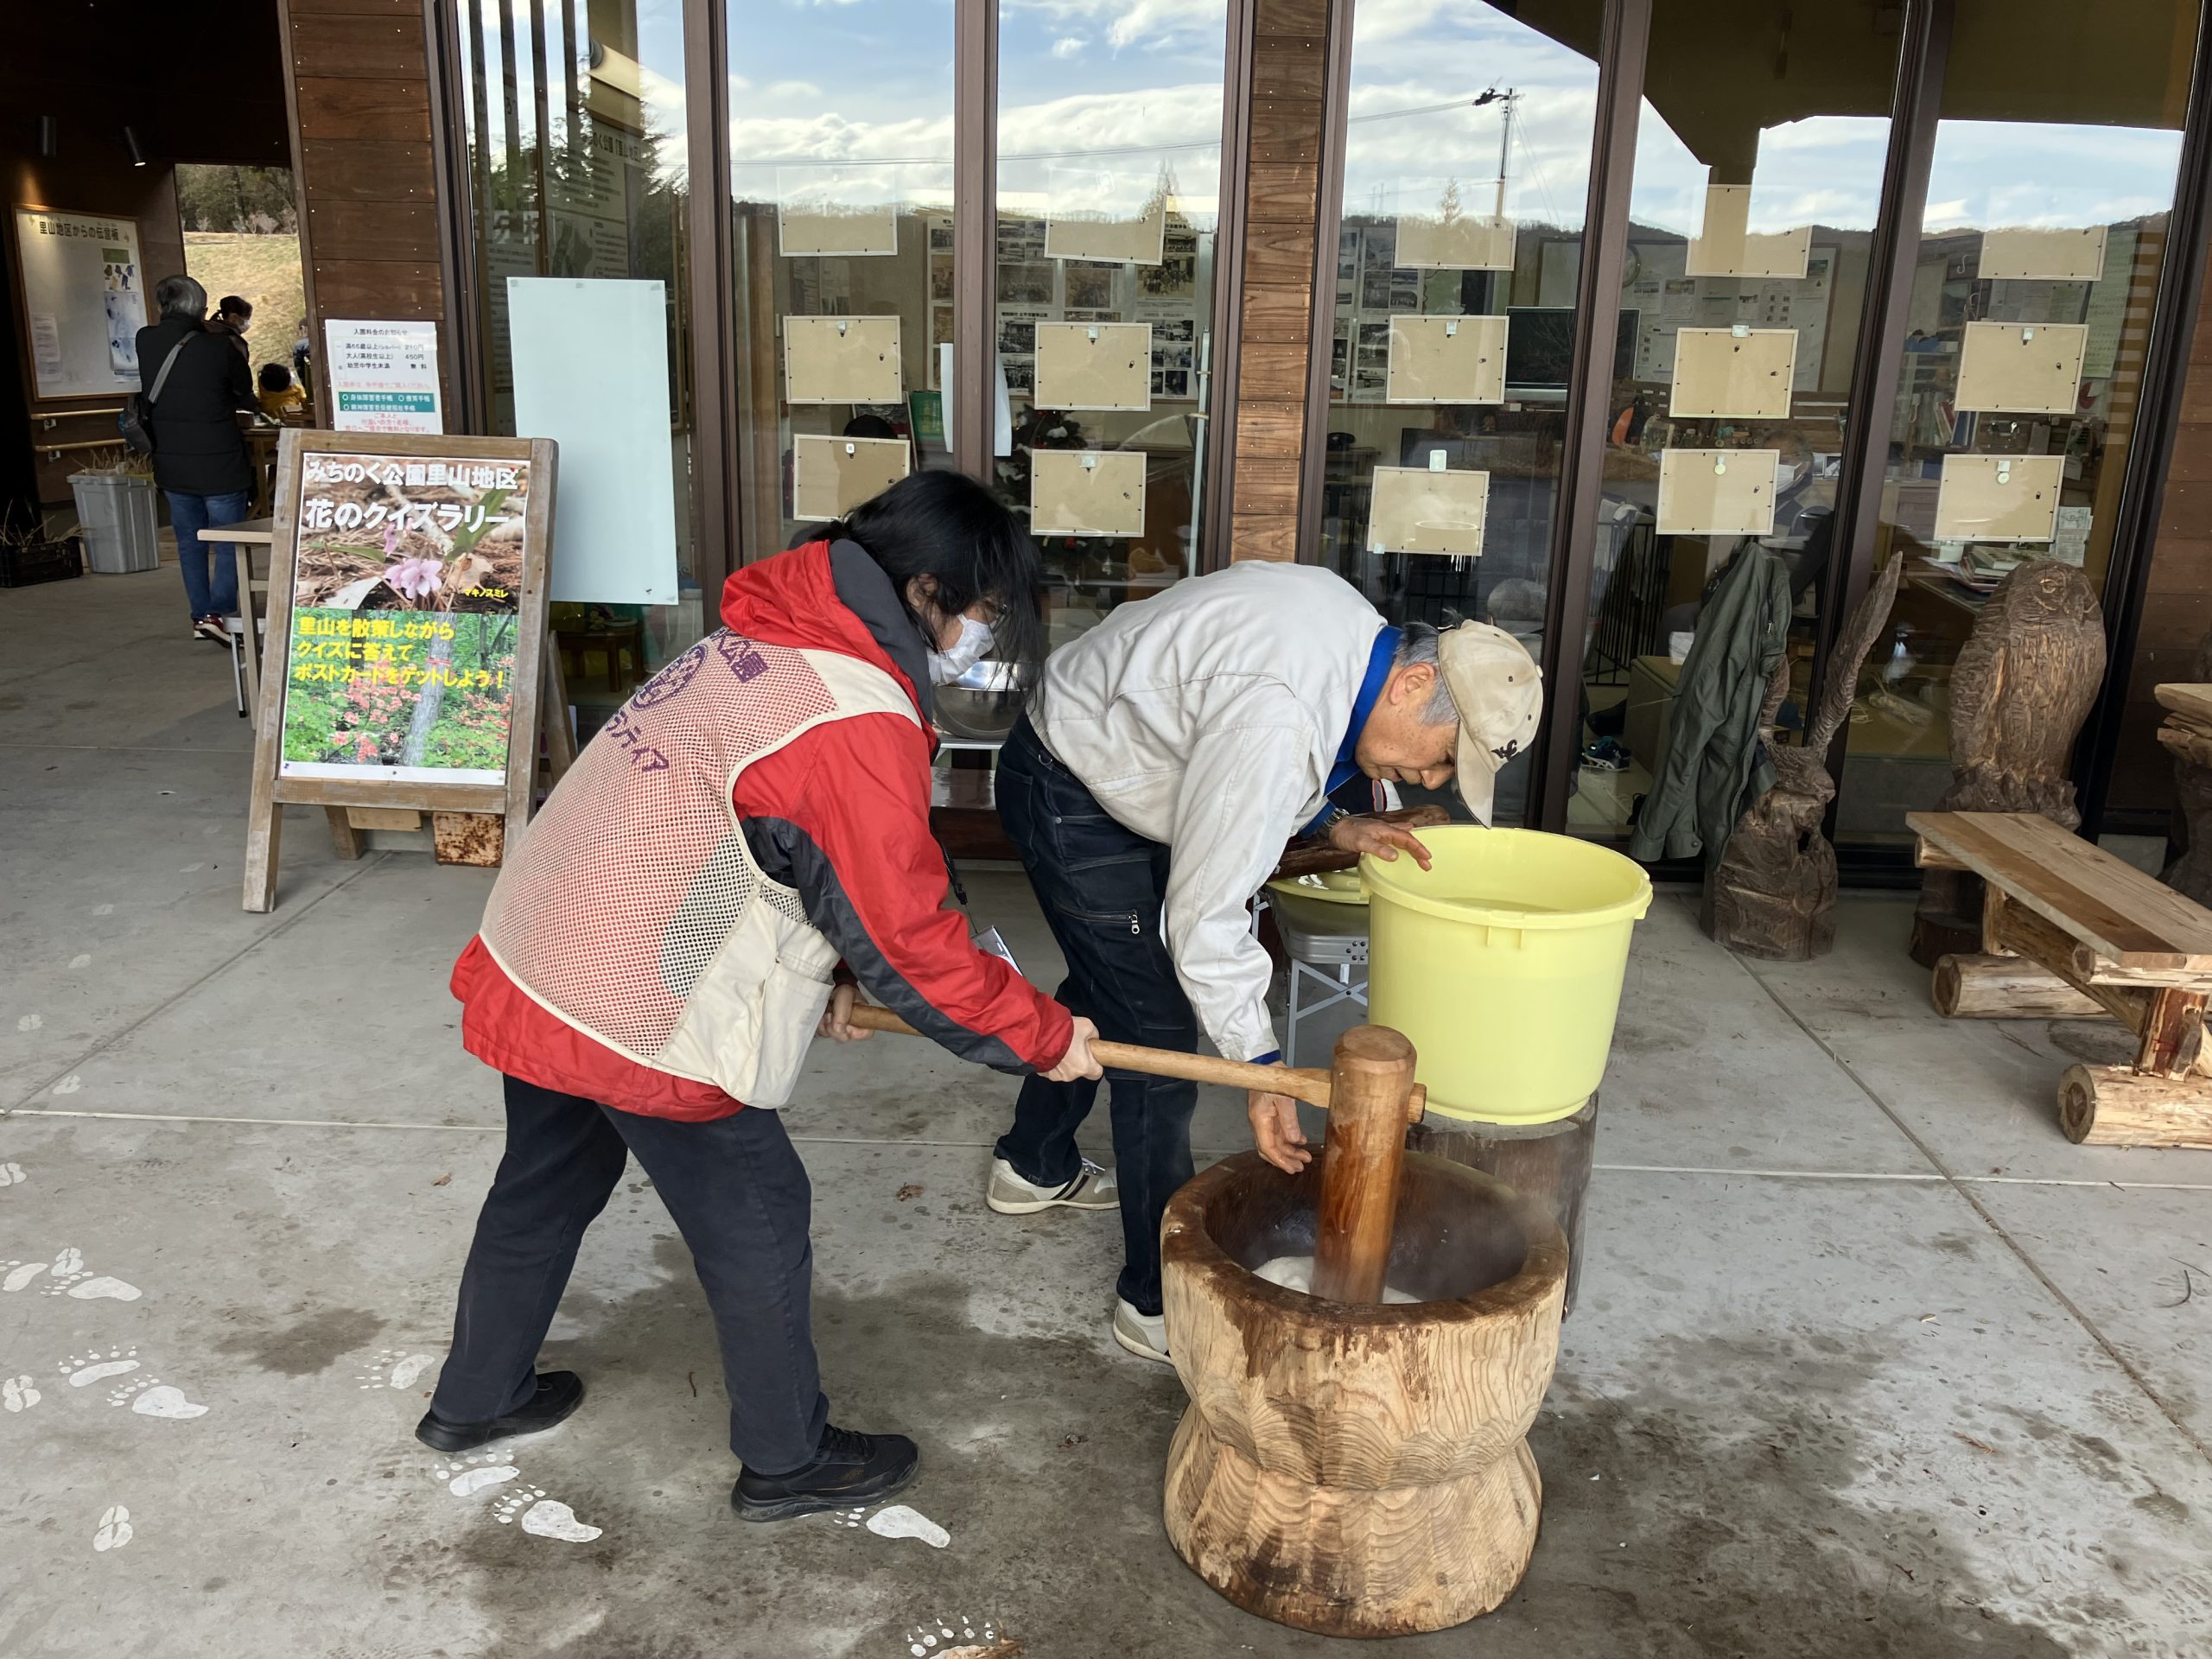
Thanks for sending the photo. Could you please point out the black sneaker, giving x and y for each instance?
(847, 1469)
(558, 1394)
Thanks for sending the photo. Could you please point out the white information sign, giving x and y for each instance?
(591, 373)
(383, 376)
(85, 292)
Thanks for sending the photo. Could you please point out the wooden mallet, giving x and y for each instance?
(1371, 1098)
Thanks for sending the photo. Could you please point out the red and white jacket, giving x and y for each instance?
(837, 814)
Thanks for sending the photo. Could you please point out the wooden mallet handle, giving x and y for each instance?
(1311, 1087)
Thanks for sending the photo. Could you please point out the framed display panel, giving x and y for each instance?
(2000, 498)
(1428, 509)
(406, 631)
(1471, 242)
(842, 360)
(1446, 360)
(2022, 368)
(1112, 218)
(1726, 246)
(82, 290)
(1717, 491)
(837, 213)
(1094, 366)
(1086, 492)
(2072, 255)
(1739, 373)
(831, 476)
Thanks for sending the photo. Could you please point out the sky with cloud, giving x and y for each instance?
(1125, 86)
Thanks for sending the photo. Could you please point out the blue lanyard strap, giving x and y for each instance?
(1380, 656)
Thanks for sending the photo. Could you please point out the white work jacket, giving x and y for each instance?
(1209, 717)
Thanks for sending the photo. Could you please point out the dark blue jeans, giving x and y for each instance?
(1102, 887)
(209, 596)
(739, 1196)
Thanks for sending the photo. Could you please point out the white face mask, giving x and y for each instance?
(946, 666)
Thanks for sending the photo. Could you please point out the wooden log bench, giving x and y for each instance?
(2071, 932)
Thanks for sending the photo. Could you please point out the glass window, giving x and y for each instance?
(840, 172)
(2031, 298)
(1467, 169)
(579, 168)
(1110, 197)
(1751, 214)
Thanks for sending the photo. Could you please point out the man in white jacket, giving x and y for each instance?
(1164, 762)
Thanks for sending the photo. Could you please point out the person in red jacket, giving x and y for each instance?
(747, 837)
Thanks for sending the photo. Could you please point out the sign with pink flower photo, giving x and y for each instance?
(403, 628)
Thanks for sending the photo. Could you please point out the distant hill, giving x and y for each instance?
(261, 269)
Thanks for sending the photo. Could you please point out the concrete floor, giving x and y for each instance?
(1869, 1361)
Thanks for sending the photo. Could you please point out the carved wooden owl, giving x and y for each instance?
(2021, 688)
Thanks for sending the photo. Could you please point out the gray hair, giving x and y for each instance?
(1417, 643)
(181, 297)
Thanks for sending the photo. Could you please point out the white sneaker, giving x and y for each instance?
(1093, 1188)
(1144, 1335)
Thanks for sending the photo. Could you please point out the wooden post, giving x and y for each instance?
(1361, 1162)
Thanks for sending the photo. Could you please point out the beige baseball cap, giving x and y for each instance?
(1499, 692)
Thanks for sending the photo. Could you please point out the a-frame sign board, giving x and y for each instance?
(406, 653)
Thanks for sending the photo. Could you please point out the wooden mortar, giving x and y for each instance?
(1348, 1467)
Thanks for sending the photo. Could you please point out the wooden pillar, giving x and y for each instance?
(1291, 76)
(358, 75)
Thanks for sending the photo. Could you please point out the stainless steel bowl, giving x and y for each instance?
(983, 703)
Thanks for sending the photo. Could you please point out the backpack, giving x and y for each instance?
(136, 421)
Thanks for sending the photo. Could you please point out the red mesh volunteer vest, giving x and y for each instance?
(633, 908)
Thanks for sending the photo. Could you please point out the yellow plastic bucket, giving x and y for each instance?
(1503, 963)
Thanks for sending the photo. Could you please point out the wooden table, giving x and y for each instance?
(2069, 931)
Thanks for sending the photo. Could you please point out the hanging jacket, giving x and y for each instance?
(1713, 765)
(662, 937)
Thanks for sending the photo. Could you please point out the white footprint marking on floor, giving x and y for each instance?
(544, 1517)
(70, 1260)
(80, 960)
(899, 1521)
(20, 1273)
(937, 1638)
(30, 1022)
(464, 1477)
(395, 1368)
(69, 1085)
(103, 910)
(114, 1531)
(84, 1371)
(152, 1397)
(846, 1517)
(94, 1288)
(19, 1394)
(12, 1175)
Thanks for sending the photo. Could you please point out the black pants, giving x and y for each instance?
(739, 1196)
(1102, 887)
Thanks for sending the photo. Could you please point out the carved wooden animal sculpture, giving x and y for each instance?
(1773, 893)
(2190, 875)
(2019, 692)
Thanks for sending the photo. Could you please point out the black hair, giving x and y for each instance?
(275, 376)
(945, 525)
(869, 426)
(232, 306)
